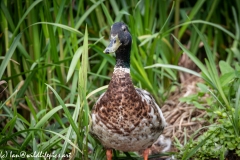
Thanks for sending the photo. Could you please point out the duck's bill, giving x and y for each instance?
(114, 44)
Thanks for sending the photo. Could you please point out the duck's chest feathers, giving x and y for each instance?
(121, 107)
(120, 101)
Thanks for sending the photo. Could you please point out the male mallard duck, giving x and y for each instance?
(125, 118)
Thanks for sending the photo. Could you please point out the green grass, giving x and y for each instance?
(53, 67)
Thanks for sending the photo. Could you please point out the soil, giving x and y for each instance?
(232, 156)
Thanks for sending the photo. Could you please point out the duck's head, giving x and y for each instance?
(120, 38)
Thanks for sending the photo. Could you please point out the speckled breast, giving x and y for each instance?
(126, 118)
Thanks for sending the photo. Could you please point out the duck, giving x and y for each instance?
(125, 118)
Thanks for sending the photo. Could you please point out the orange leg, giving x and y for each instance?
(109, 154)
(145, 154)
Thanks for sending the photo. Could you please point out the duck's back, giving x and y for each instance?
(126, 118)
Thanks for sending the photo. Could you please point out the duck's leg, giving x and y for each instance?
(145, 154)
(109, 154)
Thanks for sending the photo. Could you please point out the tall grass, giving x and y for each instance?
(54, 68)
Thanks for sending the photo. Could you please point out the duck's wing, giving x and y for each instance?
(93, 109)
(155, 109)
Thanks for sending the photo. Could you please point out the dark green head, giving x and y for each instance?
(120, 43)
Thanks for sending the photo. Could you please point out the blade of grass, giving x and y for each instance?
(8, 99)
(35, 148)
(190, 152)
(74, 62)
(107, 14)
(7, 15)
(96, 91)
(82, 90)
(84, 16)
(215, 78)
(25, 15)
(174, 67)
(66, 111)
(84, 66)
(9, 126)
(35, 130)
(194, 59)
(73, 30)
(193, 12)
(49, 115)
(70, 130)
(9, 54)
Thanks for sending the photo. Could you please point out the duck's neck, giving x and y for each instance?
(121, 80)
(123, 57)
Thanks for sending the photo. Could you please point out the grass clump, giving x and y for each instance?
(53, 69)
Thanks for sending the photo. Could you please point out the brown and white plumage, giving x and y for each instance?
(125, 118)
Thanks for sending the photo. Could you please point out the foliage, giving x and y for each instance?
(53, 69)
(218, 140)
(224, 108)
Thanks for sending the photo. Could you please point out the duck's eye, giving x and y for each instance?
(124, 28)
